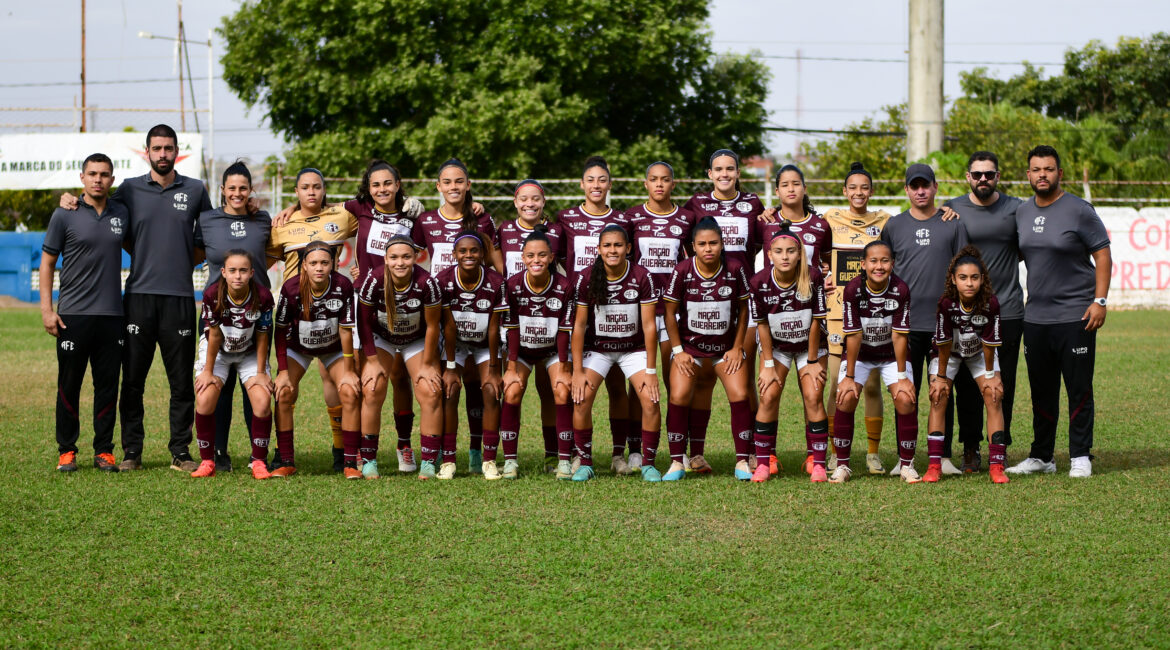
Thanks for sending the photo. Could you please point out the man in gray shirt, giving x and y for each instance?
(88, 320)
(1065, 247)
(990, 219)
(923, 246)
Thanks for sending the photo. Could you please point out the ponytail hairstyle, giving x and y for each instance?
(803, 276)
(539, 233)
(597, 281)
(858, 168)
(313, 170)
(469, 220)
(734, 156)
(969, 254)
(808, 206)
(595, 161)
(221, 292)
(388, 282)
(237, 168)
(709, 223)
(378, 165)
(306, 287)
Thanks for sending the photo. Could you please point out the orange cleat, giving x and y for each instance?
(818, 474)
(774, 465)
(259, 470)
(997, 475)
(206, 469)
(67, 462)
(761, 474)
(283, 471)
(933, 474)
(809, 464)
(352, 472)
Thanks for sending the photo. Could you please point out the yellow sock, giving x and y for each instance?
(335, 424)
(832, 449)
(873, 432)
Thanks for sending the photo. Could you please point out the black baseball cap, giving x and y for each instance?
(919, 170)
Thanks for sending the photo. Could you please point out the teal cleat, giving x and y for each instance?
(742, 472)
(650, 474)
(370, 470)
(475, 461)
(676, 472)
(426, 470)
(583, 473)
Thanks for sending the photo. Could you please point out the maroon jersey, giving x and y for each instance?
(788, 315)
(437, 233)
(707, 306)
(580, 233)
(510, 240)
(374, 230)
(239, 323)
(615, 325)
(472, 306)
(814, 232)
(736, 217)
(331, 311)
(967, 331)
(410, 324)
(659, 241)
(877, 316)
(538, 316)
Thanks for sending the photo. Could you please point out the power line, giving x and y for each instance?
(849, 59)
(111, 82)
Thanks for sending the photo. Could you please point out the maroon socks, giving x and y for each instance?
(584, 441)
(430, 447)
(818, 436)
(907, 430)
(564, 431)
(450, 442)
(843, 435)
(934, 447)
(284, 444)
(261, 434)
(509, 431)
(765, 441)
(677, 421)
(649, 442)
(491, 442)
(699, 418)
(403, 423)
(369, 447)
(205, 435)
(741, 429)
(351, 441)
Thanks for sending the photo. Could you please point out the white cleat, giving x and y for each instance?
(831, 463)
(909, 474)
(491, 471)
(446, 471)
(620, 466)
(841, 474)
(406, 461)
(1082, 467)
(635, 462)
(897, 470)
(1032, 466)
(949, 469)
(873, 463)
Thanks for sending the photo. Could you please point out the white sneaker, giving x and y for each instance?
(949, 469)
(897, 470)
(406, 460)
(491, 471)
(831, 464)
(1082, 467)
(446, 471)
(635, 462)
(873, 463)
(841, 474)
(909, 474)
(619, 466)
(1032, 466)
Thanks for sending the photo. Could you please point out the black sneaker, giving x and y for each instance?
(971, 461)
(184, 463)
(276, 463)
(338, 460)
(223, 462)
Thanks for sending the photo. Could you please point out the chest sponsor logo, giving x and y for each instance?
(711, 319)
(435, 233)
(923, 236)
(453, 226)
(467, 296)
(710, 206)
(238, 230)
(596, 223)
(313, 219)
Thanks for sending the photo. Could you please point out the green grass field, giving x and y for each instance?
(156, 558)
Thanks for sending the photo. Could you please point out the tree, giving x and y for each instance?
(512, 88)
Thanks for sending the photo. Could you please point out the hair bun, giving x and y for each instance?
(856, 166)
(540, 227)
(785, 224)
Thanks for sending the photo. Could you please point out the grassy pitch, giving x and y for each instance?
(157, 558)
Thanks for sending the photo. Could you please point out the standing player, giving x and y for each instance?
(88, 320)
(314, 320)
(706, 321)
(877, 325)
(237, 319)
(614, 326)
(788, 307)
(966, 333)
(1066, 250)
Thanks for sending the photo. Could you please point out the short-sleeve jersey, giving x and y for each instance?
(162, 233)
(967, 331)
(850, 235)
(375, 228)
(581, 232)
(923, 250)
(737, 217)
(328, 313)
(333, 225)
(239, 322)
(437, 233)
(615, 324)
(788, 314)
(813, 231)
(877, 316)
(410, 324)
(510, 238)
(659, 241)
(708, 306)
(472, 306)
(222, 232)
(538, 315)
(91, 271)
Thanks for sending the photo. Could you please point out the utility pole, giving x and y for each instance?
(179, 60)
(924, 133)
(83, 66)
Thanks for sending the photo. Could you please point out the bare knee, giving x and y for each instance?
(514, 393)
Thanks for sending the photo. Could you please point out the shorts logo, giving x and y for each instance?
(554, 303)
(483, 303)
(185, 332)
(67, 345)
(631, 294)
(978, 320)
(743, 206)
(725, 291)
(1039, 227)
(333, 304)
(133, 329)
(810, 238)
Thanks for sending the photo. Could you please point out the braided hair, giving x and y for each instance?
(969, 254)
(597, 280)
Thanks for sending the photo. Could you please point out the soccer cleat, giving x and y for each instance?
(1032, 466)
(687, 463)
(909, 474)
(406, 460)
(809, 464)
(223, 462)
(370, 470)
(873, 463)
(699, 464)
(971, 461)
(105, 462)
(511, 469)
(574, 465)
(206, 469)
(997, 475)
(620, 466)
(285, 470)
(1081, 467)
(129, 464)
(583, 473)
(67, 462)
(676, 472)
(278, 462)
(426, 470)
(338, 460)
(184, 463)
(752, 462)
(474, 462)
(743, 471)
(634, 462)
(550, 464)
(897, 470)
(818, 474)
(351, 473)
(447, 471)
(949, 469)
(490, 470)
(841, 475)
(564, 470)
(933, 473)
(831, 463)
(650, 474)
(774, 465)
(762, 473)
(259, 470)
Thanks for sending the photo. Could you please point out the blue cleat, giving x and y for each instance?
(742, 472)
(650, 474)
(583, 473)
(475, 461)
(676, 472)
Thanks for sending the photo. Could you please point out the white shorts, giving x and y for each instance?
(975, 365)
(786, 358)
(660, 323)
(863, 369)
(547, 361)
(407, 351)
(244, 363)
(304, 361)
(631, 363)
(478, 355)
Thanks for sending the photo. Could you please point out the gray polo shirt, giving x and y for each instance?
(91, 271)
(221, 232)
(162, 233)
(993, 230)
(1057, 243)
(922, 254)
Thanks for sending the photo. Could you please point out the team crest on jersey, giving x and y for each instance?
(332, 227)
(923, 235)
(116, 225)
(675, 230)
(483, 303)
(238, 229)
(252, 315)
(554, 304)
(333, 304)
(631, 294)
(873, 231)
(1039, 227)
(810, 238)
(725, 291)
(413, 303)
(180, 200)
(978, 320)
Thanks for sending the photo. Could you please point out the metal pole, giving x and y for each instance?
(83, 66)
(924, 131)
(179, 60)
(211, 102)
